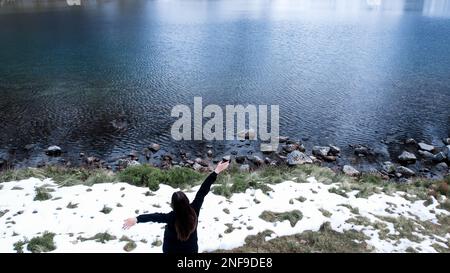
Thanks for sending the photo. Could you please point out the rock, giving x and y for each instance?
(405, 171)
(29, 147)
(439, 157)
(209, 146)
(407, 157)
(330, 158)
(255, 160)
(404, 180)
(244, 168)
(283, 139)
(425, 147)
(447, 151)
(154, 147)
(350, 171)
(240, 159)
(190, 162)
(267, 160)
(388, 167)
(334, 150)
(209, 153)
(197, 166)
(361, 150)
(320, 151)
(290, 147)
(120, 124)
(133, 154)
(226, 158)
(268, 148)
(82, 154)
(234, 152)
(167, 157)
(132, 163)
(446, 141)
(125, 163)
(54, 151)
(91, 160)
(298, 158)
(202, 162)
(442, 167)
(410, 141)
(247, 134)
(426, 154)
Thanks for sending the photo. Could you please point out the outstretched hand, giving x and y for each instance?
(127, 223)
(223, 165)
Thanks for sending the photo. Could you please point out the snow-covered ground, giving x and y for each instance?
(25, 218)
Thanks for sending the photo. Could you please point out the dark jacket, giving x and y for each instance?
(171, 243)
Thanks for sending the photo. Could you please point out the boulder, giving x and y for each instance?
(361, 150)
(426, 154)
(91, 160)
(240, 159)
(202, 162)
(446, 140)
(244, 168)
(209, 153)
(388, 167)
(29, 147)
(190, 162)
(405, 171)
(196, 166)
(267, 160)
(226, 158)
(439, 157)
(330, 158)
(407, 157)
(442, 167)
(334, 150)
(268, 148)
(290, 147)
(447, 151)
(410, 141)
(320, 151)
(298, 158)
(154, 147)
(425, 147)
(283, 139)
(54, 151)
(133, 154)
(350, 171)
(255, 160)
(247, 134)
(125, 163)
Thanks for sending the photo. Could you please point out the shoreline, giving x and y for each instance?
(416, 159)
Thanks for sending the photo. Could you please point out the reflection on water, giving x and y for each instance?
(342, 71)
(427, 7)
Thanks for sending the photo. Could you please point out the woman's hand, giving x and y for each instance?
(127, 223)
(223, 165)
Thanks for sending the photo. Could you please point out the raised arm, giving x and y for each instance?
(206, 186)
(143, 218)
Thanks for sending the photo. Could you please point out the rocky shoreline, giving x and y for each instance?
(417, 159)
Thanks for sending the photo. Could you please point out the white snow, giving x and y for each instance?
(27, 218)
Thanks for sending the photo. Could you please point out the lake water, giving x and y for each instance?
(342, 71)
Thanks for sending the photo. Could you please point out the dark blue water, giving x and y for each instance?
(343, 72)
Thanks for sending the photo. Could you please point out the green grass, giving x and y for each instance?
(42, 194)
(102, 237)
(42, 243)
(61, 175)
(292, 216)
(129, 246)
(18, 246)
(325, 240)
(146, 175)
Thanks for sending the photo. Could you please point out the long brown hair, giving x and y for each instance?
(185, 216)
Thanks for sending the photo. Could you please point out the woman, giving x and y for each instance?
(180, 235)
